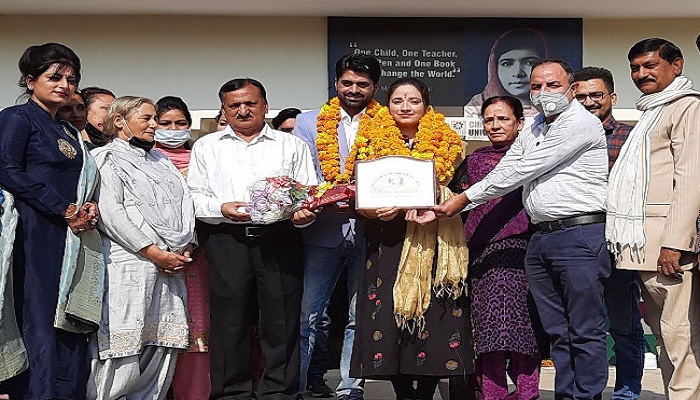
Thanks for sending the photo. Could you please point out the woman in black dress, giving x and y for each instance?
(437, 343)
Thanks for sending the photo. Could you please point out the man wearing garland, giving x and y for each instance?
(336, 239)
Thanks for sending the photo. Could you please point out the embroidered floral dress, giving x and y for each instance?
(381, 349)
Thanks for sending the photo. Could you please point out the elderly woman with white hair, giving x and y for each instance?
(147, 234)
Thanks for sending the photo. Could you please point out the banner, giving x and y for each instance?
(462, 60)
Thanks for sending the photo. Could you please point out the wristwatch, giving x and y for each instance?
(72, 211)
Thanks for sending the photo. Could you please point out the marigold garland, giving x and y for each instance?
(327, 141)
(435, 140)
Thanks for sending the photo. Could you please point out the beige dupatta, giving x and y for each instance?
(414, 282)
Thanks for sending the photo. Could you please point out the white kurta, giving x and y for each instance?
(143, 306)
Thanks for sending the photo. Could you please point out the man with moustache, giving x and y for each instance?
(561, 163)
(97, 101)
(653, 204)
(596, 91)
(246, 259)
(336, 240)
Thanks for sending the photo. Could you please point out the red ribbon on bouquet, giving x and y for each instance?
(333, 195)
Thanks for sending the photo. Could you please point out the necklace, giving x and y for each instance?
(435, 140)
(327, 141)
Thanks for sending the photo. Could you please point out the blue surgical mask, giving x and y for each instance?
(549, 103)
(172, 138)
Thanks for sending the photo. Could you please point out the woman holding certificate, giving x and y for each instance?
(413, 321)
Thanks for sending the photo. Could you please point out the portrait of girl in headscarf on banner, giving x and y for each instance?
(510, 62)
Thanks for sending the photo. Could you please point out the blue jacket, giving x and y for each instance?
(330, 227)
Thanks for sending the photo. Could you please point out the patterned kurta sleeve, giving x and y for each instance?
(114, 219)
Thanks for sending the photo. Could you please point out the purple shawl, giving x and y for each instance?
(510, 217)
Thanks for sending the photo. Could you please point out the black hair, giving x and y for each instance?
(565, 65)
(418, 84)
(513, 102)
(588, 73)
(168, 103)
(667, 50)
(240, 83)
(37, 59)
(284, 115)
(697, 42)
(90, 92)
(359, 63)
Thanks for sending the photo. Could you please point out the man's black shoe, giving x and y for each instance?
(320, 389)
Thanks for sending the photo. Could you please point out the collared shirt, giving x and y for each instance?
(223, 166)
(561, 166)
(615, 134)
(350, 125)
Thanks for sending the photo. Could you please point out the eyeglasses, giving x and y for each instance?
(595, 96)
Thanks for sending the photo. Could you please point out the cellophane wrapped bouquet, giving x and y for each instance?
(278, 198)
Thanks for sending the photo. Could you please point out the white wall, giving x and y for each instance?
(191, 57)
(606, 43)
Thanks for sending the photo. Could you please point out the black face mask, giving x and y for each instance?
(141, 144)
(96, 137)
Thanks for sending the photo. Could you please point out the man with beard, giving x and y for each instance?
(249, 259)
(97, 101)
(653, 204)
(336, 240)
(596, 91)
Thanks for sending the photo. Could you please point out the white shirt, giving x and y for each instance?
(350, 125)
(563, 168)
(223, 166)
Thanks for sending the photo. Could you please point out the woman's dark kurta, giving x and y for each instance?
(40, 164)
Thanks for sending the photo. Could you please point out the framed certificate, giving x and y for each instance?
(395, 181)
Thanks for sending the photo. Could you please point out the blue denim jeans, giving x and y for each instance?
(322, 267)
(320, 356)
(622, 295)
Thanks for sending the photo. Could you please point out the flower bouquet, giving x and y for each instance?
(278, 198)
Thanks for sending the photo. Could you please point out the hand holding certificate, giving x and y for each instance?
(395, 181)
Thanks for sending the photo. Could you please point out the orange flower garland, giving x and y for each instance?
(327, 141)
(435, 140)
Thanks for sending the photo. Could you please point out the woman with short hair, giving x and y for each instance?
(147, 235)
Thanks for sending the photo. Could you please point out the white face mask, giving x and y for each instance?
(549, 103)
(172, 138)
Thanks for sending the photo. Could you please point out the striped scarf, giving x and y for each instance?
(628, 183)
